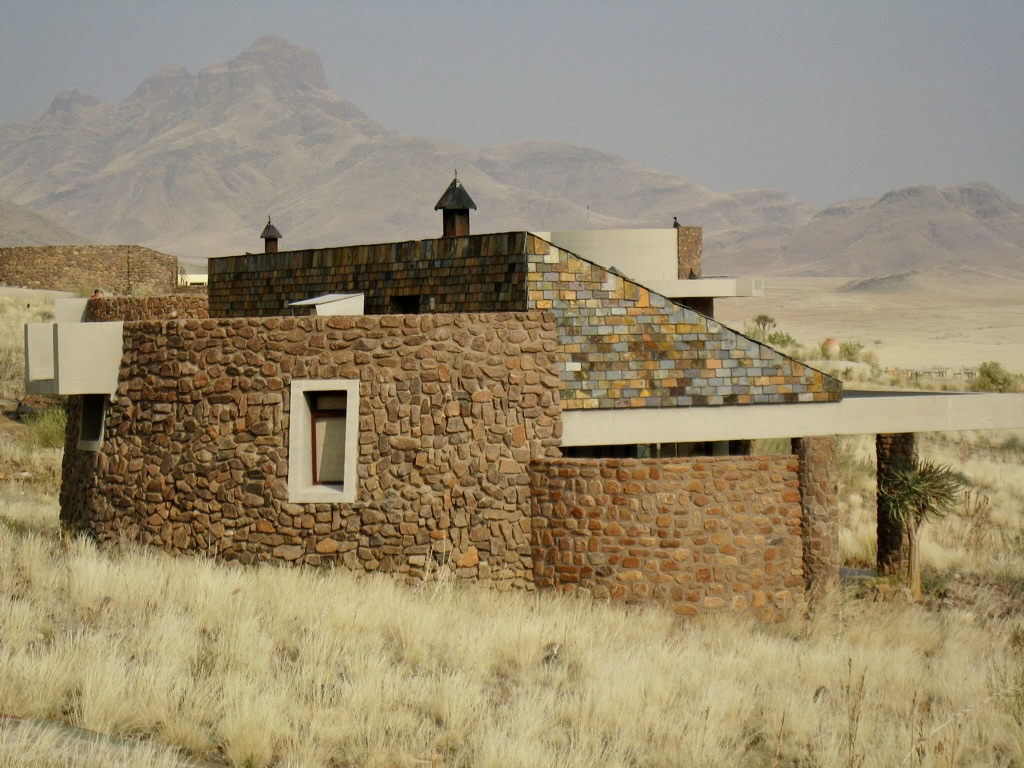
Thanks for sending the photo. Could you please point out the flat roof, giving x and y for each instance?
(859, 412)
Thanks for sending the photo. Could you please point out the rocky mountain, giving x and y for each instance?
(22, 227)
(193, 164)
(969, 225)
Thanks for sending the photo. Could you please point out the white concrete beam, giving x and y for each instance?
(858, 413)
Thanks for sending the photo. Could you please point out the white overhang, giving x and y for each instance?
(333, 304)
(708, 287)
(858, 413)
(72, 358)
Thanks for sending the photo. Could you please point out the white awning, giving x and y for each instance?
(858, 413)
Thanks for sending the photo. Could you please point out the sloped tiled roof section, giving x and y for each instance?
(623, 346)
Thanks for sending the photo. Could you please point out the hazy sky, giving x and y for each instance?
(826, 100)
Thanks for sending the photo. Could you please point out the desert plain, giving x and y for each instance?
(947, 317)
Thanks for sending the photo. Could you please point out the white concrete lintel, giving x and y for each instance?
(708, 287)
(73, 358)
(858, 413)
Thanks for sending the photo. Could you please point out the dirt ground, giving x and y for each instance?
(950, 320)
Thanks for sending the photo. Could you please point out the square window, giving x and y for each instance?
(323, 440)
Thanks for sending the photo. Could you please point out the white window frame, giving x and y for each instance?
(301, 488)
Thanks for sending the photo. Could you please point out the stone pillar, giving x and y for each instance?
(891, 450)
(689, 251)
(819, 502)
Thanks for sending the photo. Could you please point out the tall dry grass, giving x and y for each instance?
(178, 660)
(985, 536)
(283, 667)
(15, 311)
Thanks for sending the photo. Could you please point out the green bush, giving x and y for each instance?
(992, 377)
(780, 339)
(46, 427)
(851, 350)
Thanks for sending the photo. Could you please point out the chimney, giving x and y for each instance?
(270, 236)
(689, 251)
(454, 206)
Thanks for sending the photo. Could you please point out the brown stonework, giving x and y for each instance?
(819, 502)
(483, 273)
(126, 269)
(128, 308)
(686, 533)
(690, 252)
(195, 452)
(622, 345)
(891, 450)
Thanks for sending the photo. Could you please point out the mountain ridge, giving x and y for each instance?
(193, 164)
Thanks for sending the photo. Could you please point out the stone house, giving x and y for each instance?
(499, 405)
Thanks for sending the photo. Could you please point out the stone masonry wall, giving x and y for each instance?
(129, 308)
(479, 273)
(697, 535)
(125, 269)
(624, 346)
(819, 501)
(452, 411)
(689, 252)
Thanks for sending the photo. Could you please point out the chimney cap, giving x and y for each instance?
(455, 198)
(270, 232)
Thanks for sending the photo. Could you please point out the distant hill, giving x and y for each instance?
(193, 164)
(22, 227)
(971, 225)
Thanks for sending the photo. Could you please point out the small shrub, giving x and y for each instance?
(780, 339)
(851, 350)
(46, 427)
(992, 377)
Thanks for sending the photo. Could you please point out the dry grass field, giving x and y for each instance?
(127, 657)
(941, 318)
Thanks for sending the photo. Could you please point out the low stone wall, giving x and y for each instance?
(452, 410)
(697, 535)
(126, 269)
(130, 308)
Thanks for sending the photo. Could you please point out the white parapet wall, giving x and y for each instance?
(72, 358)
(649, 257)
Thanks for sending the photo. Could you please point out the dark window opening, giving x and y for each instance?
(90, 422)
(328, 413)
(405, 305)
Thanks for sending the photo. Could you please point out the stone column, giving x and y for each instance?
(689, 252)
(819, 502)
(891, 450)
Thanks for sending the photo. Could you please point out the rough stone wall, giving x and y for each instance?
(622, 345)
(689, 252)
(479, 273)
(698, 535)
(129, 308)
(891, 450)
(126, 269)
(452, 411)
(819, 501)
(627, 347)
